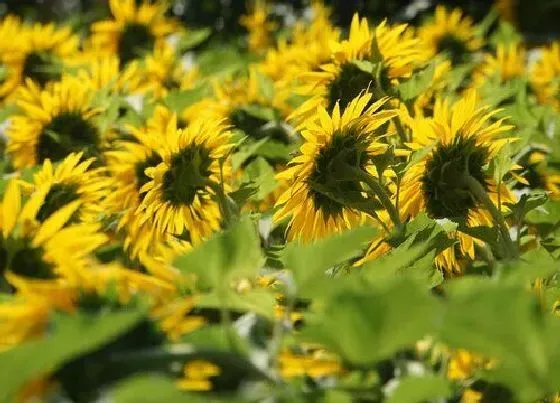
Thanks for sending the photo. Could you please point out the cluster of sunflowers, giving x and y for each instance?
(307, 213)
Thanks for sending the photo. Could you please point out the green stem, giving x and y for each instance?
(480, 193)
(381, 194)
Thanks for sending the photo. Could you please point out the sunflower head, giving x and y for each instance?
(450, 33)
(53, 123)
(321, 190)
(446, 196)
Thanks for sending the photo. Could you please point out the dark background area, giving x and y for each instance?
(538, 19)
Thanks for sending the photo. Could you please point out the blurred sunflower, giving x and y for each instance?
(306, 49)
(544, 76)
(259, 26)
(73, 179)
(163, 72)
(135, 30)
(313, 199)
(508, 63)
(37, 253)
(234, 102)
(183, 193)
(462, 143)
(10, 73)
(127, 162)
(53, 123)
(40, 52)
(99, 71)
(538, 174)
(347, 76)
(450, 33)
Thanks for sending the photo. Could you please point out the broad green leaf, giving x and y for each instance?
(192, 38)
(233, 252)
(548, 213)
(367, 325)
(419, 389)
(259, 301)
(308, 263)
(246, 150)
(502, 322)
(536, 263)
(151, 389)
(70, 337)
(179, 100)
(417, 84)
(261, 174)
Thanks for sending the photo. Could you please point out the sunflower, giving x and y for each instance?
(10, 73)
(37, 254)
(41, 52)
(462, 143)
(182, 196)
(100, 71)
(71, 180)
(538, 174)
(507, 64)
(163, 72)
(342, 80)
(544, 76)
(127, 162)
(450, 33)
(53, 123)
(136, 30)
(259, 26)
(313, 199)
(306, 49)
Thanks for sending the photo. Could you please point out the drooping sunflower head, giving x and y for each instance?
(318, 198)
(182, 195)
(47, 250)
(134, 30)
(461, 143)
(508, 63)
(450, 33)
(53, 123)
(356, 68)
(544, 76)
(73, 179)
(42, 52)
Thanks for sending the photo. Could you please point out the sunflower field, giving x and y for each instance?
(279, 201)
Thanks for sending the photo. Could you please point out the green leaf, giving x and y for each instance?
(233, 252)
(246, 150)
(151, 389)
(259, 301)
(178, 100)
(416, 84)
(548, 213)
(419, 389)
(261, 174)
(71, 336)
(309, 263)
(192, 38)
(370, 324)
(536, 263)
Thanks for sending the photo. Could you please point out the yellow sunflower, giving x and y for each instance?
(73, 179)
(101, 71)
(508, 63)
(307, 49)
(127, 162)
(53, 123)
(345, 78)
(41, 52)
(544, 76)
(183, 193)
(163, 72)
(10, 41)
(450, 180)
(538, 174)
(450, 33)
(135, 31)
(38, 253)
(259, 26)
(313, 199)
